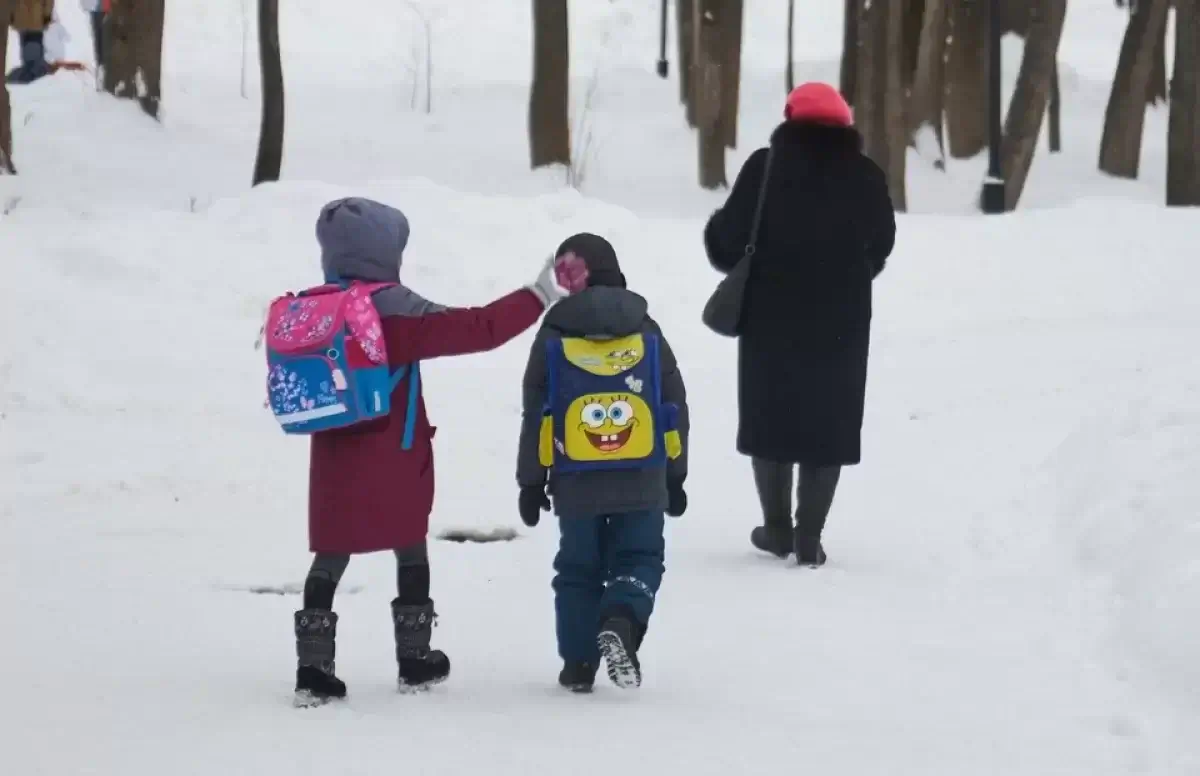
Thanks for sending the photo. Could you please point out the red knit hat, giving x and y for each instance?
(818, 103)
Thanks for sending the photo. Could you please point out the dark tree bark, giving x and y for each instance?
(879, 112)
(6, 149)
(133, 39)
(1055, 128)
(928, 91)
(851, 43)
(895, 101)
(914, 19)
(120, 54)
(149, 42)
(1023, 124)
(1125, 117)
(731, 24)
(686, 37)
(706, 81)
(966, 80)
(1183, 134)
(1158, 76)
(549, 99)
(1015, 16)
(790, 75)
(871, 85)
(269, 163)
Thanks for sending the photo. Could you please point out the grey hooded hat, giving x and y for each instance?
(362, 239)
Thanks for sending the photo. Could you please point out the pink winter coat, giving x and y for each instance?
(365, 492)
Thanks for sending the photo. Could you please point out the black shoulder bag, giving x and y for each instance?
(723, 312)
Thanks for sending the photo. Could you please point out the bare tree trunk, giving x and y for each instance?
(928, 91)
(790, 75)
(913, 12)
(1028, 108)
(686, 37)
(1183, 134)
(1158, 76)
(966, 79)
(895, 100)
(871, 86)
(731, 25)
(1055, 129)
(149, 45)
(133, 40)
(549, 99)
(1015, 15)
(851, 43)
(1125, 117)
(6, 149)
(706, 80)
(120, 51)
(269, 163)
(880, 110)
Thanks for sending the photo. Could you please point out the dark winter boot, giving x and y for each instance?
(619, 640)
(578, 677)
(316, 631)
(772, 538)
(420, 666)
(809, 551)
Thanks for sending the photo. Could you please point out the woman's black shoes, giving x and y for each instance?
(782, 541)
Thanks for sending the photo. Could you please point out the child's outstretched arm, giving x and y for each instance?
(530, 472)
(459, 331)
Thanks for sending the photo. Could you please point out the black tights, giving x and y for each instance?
(813, 500)
(412, 577)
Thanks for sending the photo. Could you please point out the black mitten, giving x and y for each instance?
(676, 498)
(532, 502)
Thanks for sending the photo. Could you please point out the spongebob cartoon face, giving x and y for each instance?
(622, 360)
(605, 358)
(609, 426)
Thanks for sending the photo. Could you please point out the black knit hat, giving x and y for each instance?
(598, 254)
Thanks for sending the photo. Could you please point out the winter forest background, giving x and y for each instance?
(1013, 586)
(916, 71)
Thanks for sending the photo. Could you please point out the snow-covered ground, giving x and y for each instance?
(1013, 586)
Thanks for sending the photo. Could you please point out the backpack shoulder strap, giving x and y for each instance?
(410, 411)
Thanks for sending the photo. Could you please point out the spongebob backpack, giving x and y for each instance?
(604, 409)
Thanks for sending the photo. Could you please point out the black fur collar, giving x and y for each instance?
(819, 137)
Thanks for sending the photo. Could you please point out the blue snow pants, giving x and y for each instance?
(606, 565)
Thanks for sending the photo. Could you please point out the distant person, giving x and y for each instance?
(827, 227)
(604, 430)
(97, 11)
(30, 18)
(371, 484)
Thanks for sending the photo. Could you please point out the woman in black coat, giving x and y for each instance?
(827, 228)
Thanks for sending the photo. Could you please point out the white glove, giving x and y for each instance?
(560, 277)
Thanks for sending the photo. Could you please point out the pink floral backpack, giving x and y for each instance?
(327, 365)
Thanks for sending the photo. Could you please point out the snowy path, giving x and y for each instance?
(950, 634)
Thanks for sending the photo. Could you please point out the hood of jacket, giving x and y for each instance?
(600, 312)
(361, 240)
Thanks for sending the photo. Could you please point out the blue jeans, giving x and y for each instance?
(606, 565)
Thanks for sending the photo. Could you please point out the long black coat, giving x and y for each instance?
(827, 229)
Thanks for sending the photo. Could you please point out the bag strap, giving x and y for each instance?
(752, 244)
(414, 395)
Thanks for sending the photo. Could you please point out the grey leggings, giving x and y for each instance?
(412, 577)
(813, 499)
